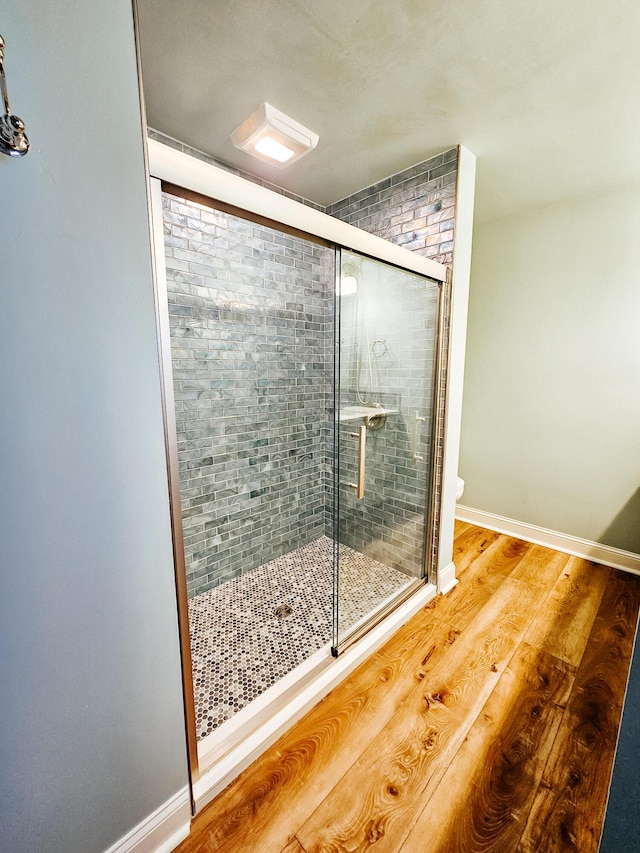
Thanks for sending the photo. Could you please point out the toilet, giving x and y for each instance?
(459, 488)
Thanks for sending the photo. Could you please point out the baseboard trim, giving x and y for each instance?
(447, 579)
(162, 830)
(616, 558)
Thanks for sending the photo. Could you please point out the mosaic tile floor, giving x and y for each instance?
(240, 647)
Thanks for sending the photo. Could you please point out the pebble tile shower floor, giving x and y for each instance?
(239, 645)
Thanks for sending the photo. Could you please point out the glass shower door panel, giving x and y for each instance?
(387, 322)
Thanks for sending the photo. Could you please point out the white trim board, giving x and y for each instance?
(224, 771)
(162, 830)
(186, 171)
(461, 272)
(447, 579)
(616, 558)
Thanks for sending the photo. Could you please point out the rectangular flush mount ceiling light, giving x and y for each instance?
(274, 137)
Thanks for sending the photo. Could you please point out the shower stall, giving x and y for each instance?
(303, 403)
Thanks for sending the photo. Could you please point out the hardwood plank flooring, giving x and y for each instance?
(569, 611)
(293, 846)
(276, 793)
(490, 785)
(487, 723)
(541, 567)
(469, 543)
(569, 807)
(374, 804)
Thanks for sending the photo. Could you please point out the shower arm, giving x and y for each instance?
(13, 139)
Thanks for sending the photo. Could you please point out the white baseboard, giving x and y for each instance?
(447, 578)
(627, 561)
(162, 830)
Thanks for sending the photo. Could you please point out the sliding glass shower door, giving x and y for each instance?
(386, 365)
(303, 396)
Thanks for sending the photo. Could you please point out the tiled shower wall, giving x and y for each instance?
(250, 315)
(415, 209)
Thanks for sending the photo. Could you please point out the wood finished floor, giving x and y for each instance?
(487, 723)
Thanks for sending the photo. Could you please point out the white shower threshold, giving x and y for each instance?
(225, 753)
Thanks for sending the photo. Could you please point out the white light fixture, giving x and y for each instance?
(274, 149)
(274, 137)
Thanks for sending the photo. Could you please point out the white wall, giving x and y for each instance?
(92, 734)
(551, 412)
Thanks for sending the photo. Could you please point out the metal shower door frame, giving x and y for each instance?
(434, 472)
(237, 195)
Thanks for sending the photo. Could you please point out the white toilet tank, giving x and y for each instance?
(459, 488)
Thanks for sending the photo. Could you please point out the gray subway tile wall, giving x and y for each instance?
(414, 208)
(251, 314)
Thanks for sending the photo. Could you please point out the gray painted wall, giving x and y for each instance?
(551, 406)
(92, 734)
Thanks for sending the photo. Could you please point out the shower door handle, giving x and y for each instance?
(417, 457)
(361, 435)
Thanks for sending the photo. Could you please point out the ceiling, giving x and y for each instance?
(544, 93)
